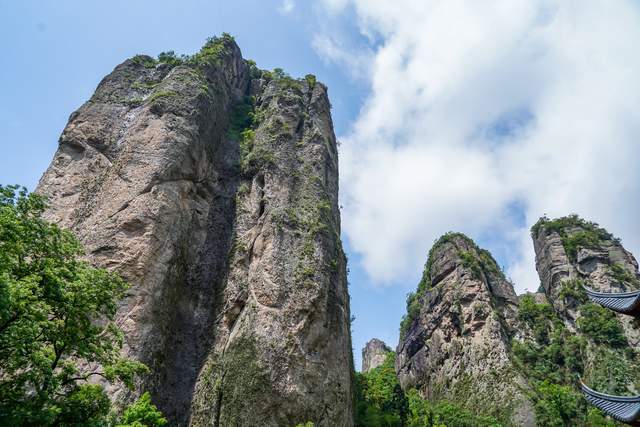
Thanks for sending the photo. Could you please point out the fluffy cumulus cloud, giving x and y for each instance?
(482, 117)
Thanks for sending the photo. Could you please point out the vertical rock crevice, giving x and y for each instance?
(292, 268)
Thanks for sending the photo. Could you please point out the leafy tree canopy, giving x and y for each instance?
(57, 327)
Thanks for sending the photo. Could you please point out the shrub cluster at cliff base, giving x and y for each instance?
(56, 327)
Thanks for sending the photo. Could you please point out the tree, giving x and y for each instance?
(142, 413)
(57, 327)
(379, 398)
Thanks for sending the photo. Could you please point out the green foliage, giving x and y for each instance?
(555, 354)
(414, 301)
(171, 58)
(557, 405)
(283, 80)
(254, 71)
(589, 235)
(56, 322)
(379, 398)
(580, 239)
(611, 370)
(243, 121)
(622, 275)
(212, 51)
(161, 94)
(142, 413)
(470, 261)
(560, 405)
(601, 325)
(555, 360)
(422, 413)
(254, 156)
(572, 291)
(144, 85)
(209, 55)
(595, 418)
(86, 405)
(537, 317)
(241, 117)
(144, 60)
(380, 402)
(311, 80)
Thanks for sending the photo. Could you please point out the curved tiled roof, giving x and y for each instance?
(624, 302)
(623, 408)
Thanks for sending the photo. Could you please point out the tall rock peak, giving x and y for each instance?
(373, 354)
(211, 186)
(455, 337)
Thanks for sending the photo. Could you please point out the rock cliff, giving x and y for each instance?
(467, 338)
(211, 186)
(373, 354)
(571, 252)
(455, 339)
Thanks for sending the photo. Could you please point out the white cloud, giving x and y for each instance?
(477, 105)
(356, 63)
(287, 6)
(335, 6)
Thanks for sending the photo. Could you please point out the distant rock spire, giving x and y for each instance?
(373, 354)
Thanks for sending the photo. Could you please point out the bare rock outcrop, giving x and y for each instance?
(212, 186)
(373, 354)
(454, 342)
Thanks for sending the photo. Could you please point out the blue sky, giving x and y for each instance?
(451, 115)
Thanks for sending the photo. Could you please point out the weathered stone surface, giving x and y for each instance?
(373, 354)
(457, 347)
(604, 265)
(239, 301)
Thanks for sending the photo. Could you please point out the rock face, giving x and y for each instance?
(211, 186)
(373, 354)
(468, 339)
(455, 339)
(573, 252)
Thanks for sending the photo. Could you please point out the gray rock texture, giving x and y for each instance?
(595, 258)
(455, 345)
(373, 354)
(212, 188)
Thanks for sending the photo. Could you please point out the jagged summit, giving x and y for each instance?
(374, 354)
(212, 187)
(451, 251)
(455, 337)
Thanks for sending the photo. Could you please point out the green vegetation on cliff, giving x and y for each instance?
(57, 327)
(552, 352)
(478, 260)
(554, 360)
(575, 232)
(379, 398)
(380, 402)
(209, 54)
